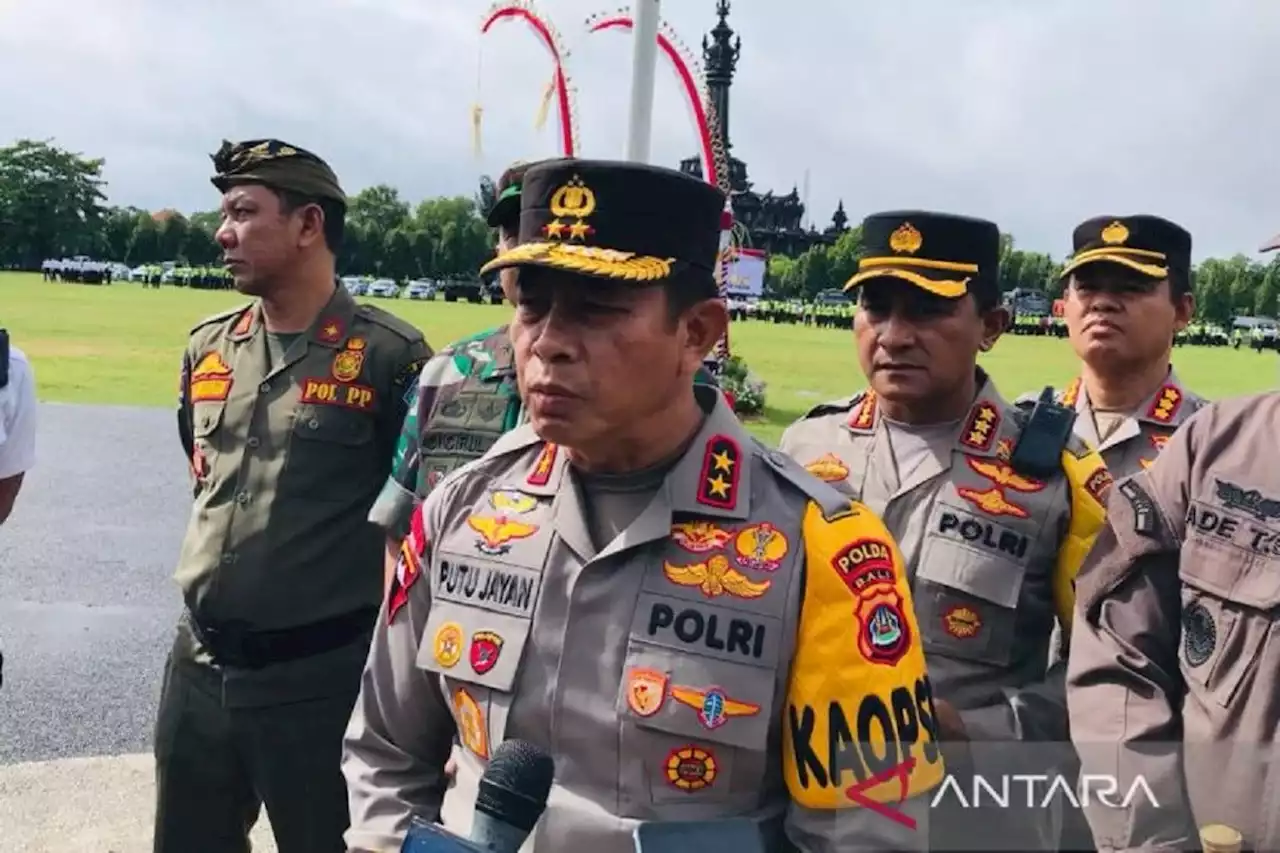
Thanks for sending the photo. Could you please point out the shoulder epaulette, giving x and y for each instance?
(833, 503)
(221, 316)
(387, 320)
(833, 407)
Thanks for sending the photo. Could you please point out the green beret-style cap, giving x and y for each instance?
(275, 164)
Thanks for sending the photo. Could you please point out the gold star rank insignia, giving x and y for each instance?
(330, 331)
(718, 482)
(554, 228)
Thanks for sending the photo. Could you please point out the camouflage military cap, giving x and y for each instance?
(505, 212)
(278, 165)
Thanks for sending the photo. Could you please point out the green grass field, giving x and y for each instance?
(121, 345)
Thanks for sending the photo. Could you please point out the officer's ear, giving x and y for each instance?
(697, 315)
(1184, 307)
(995, 319)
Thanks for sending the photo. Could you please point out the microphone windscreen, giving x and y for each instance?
(516, 784)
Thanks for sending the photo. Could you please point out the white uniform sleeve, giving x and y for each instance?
(18, 429)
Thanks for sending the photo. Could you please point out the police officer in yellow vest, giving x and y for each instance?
(692, 625)
(288, 414)
(1127, 295)
(994, 510)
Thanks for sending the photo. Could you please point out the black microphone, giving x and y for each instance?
(513, 795)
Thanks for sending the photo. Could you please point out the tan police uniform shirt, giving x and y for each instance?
(1175, 653)
(288, 456)
(1133, 445)
(991, 556)
(671, 673)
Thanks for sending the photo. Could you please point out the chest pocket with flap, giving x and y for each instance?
(327, 446)
(476, 652)
(694, 732)
(1230, 592)
(208, 436)
(969, 584)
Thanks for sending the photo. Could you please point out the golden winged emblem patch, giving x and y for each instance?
(1003, 475)
(498, 531)
(715, 577)
(714, 706)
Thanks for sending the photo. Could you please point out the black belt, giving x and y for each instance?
(233, 644)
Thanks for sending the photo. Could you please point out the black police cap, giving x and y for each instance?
(615, 220)
(942, 253)
(1147, 244)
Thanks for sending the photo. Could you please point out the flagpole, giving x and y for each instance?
(644, 62)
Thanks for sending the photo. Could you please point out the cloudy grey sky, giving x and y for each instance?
(1036, 113)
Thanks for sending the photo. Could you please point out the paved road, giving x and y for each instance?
(87, 610)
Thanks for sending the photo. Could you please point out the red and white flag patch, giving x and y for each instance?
(408, 565)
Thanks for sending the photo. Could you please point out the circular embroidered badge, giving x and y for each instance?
(961, 622)
(691, 768)
(1199, 634)
(448, 644)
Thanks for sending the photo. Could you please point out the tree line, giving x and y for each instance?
(1224, 288)
(53, 204)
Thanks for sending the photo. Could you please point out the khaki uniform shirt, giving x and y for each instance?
(287, 460)
(1175, 650)
(671, 675)
(991, 555)
(1134, 444)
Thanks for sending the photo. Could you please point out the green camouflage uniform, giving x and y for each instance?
(465, 399)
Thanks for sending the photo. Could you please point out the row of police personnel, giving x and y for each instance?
(583, 553)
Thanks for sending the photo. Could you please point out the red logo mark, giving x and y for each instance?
(902, 772)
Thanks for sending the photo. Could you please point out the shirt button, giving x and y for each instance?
(242, 498)
(313, 424)
(264, 387)
(228, 559)
(253, 441)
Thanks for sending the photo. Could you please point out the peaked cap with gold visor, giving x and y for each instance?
(1150, 245)
(627, 222)
(941, 253)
